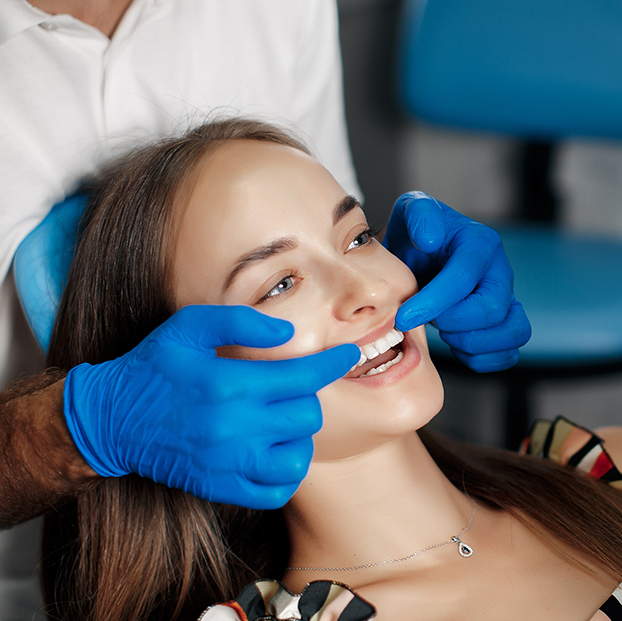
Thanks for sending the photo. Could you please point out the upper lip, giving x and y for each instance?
(370, 337)
(376, 343)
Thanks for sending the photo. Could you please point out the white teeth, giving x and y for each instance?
(370, 351)
(385, 366)
(394, 337)
(382, 344)
(362, 361)
(379, 346)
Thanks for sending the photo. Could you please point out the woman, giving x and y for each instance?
(424, 529)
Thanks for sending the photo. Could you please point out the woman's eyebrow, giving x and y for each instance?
(344, 207)
(259, 254)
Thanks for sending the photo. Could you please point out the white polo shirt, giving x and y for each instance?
(70, 97)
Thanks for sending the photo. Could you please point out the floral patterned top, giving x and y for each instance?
(268, 600)
(571, 445)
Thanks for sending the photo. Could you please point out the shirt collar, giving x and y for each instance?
(17, 16)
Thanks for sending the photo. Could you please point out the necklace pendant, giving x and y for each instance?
(464, 549)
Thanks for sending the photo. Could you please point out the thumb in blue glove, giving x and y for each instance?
(468, 282)
(232, 431)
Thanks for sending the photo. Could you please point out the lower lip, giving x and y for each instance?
(412, 357)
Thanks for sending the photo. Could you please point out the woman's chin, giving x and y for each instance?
(363, 413)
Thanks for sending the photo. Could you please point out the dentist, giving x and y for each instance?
(78, 78)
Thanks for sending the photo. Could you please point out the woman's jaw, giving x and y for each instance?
(363, 412)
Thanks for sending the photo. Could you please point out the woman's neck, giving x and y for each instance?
(385, 504)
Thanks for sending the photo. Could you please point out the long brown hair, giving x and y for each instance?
(131, 549)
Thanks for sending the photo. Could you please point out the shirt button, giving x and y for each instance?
(48, 26)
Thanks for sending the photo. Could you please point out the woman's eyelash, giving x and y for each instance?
(277, 290)
(373, 231)
(370, 233)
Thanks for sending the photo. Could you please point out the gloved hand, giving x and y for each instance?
(233, 431)
(468, 282)
(42, 264)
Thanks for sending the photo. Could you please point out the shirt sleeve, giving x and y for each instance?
(27, 194)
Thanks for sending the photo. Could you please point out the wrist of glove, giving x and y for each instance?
(90, 389)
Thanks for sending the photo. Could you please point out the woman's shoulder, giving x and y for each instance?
(270, 600)
(569, 444)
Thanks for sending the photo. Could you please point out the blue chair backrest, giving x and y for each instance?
(535, 68)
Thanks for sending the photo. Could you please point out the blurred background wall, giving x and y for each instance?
(475, 174)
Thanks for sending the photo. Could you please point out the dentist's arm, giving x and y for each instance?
(467, 278)
(40, 465)
(232, 431)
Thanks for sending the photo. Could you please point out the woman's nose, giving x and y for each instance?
(359, 293)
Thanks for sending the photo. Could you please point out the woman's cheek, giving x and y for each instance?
(309, 311)
(252, 353)
(236, 351)
(402, 279)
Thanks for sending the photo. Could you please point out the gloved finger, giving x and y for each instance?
(468, 264)
(285, 463)
(281, 380)
(398, 238)
(238, 490)
(268, 497)
(249, 423)
(491, 362)
(487, 306)
(424, 220)
(291, 419)
(205, 326)
(513, 332)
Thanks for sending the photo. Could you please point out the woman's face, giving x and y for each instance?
(267, 226)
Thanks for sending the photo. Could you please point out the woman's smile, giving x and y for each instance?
(388, 366)
(267, 226)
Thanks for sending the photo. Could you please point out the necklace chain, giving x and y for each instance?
(464, 550)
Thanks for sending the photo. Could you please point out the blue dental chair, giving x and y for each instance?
(538, 71)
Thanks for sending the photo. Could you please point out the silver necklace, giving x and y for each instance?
(464, 549)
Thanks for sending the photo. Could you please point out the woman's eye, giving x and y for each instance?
(360, 240)
(281, 287)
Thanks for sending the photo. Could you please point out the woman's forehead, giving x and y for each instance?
(248, 186)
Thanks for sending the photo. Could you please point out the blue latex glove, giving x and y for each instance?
(468, 282)
(42, 264)
(233, 431)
